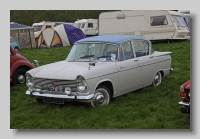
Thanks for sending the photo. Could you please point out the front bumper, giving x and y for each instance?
(74, 97)
(185, 107)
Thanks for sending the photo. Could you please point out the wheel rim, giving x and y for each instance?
(157, 79)
(16, 50)
(21, 79)
(100, 98)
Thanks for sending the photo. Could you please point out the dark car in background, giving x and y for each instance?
(185, 97)
(19, 65)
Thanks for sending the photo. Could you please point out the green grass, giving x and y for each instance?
(147, 108)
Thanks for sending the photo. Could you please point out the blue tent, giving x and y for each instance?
(61, 35)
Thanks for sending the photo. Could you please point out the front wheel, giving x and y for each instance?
(16, 49)
(101, 97)
(19, 77)
(157, 79)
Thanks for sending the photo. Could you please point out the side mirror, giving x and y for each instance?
(36, 62)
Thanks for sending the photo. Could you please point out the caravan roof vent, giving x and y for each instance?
(121, 16)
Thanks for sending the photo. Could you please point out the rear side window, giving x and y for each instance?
(141, 48)
(158, 20)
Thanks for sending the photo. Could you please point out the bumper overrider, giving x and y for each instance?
(185, 107)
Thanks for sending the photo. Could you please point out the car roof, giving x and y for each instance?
(115, 39)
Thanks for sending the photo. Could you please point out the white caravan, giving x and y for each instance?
(88, 26)
(151, 24)
(38, 27)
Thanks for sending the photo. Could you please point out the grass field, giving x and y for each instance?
(147, 108)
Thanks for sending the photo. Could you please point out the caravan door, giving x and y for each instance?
(90, 28)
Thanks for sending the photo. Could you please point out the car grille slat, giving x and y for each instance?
(48, 82)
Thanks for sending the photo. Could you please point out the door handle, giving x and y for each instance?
(151, 56)
(121, 67)
(136, 60)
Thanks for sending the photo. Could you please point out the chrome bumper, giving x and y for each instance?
(66, 97)
(185, 107)
(184, 103)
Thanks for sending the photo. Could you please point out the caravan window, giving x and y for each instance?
(90, 25)
(179, 21)
(158, 20)
(77, 25)
(37, 28)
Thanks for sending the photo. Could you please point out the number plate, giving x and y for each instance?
(53, 100)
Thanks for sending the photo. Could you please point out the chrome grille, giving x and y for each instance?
(48, 82)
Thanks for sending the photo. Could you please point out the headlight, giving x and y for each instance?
(182, 89)
(28, 75)
(30, 83)
(81, 84)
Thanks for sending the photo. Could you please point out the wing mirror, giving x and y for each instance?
(36, 63)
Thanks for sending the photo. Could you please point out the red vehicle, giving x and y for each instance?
(18, 67)
(185, 96)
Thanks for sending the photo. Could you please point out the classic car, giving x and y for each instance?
(14, 44)
(99, 68)
(19, 65)
(185, 97)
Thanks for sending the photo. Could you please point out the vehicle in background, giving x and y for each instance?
(88, 26)
(19, 65)
(185, 97)
(38, 27)
(14, 44)
(151, 24)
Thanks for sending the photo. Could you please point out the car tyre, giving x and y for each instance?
(16, 49)
(19, 77)
(101, 96)
(157, 79)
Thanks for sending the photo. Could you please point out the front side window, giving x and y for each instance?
(90, 25)
(158, 20)
(127, 52)
(97, 51)
(141, 48)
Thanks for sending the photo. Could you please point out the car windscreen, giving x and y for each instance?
(97, 51)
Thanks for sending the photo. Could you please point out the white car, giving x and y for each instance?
(98, 69)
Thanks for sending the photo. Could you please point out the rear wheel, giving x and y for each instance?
(19, 77)
(101, 96)
(157, 79)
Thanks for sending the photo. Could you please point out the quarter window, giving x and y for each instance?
(158, 20)
(141, 48)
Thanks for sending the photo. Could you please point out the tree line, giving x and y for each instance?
(28, 17)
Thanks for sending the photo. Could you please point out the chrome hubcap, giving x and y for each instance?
(99, 98)
(21, 79)
(157, 79)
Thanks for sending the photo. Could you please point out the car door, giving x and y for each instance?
(145, 59)
(128, 69)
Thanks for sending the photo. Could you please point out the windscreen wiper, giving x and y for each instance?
(87, 56)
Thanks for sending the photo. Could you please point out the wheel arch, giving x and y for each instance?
(108, 84)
